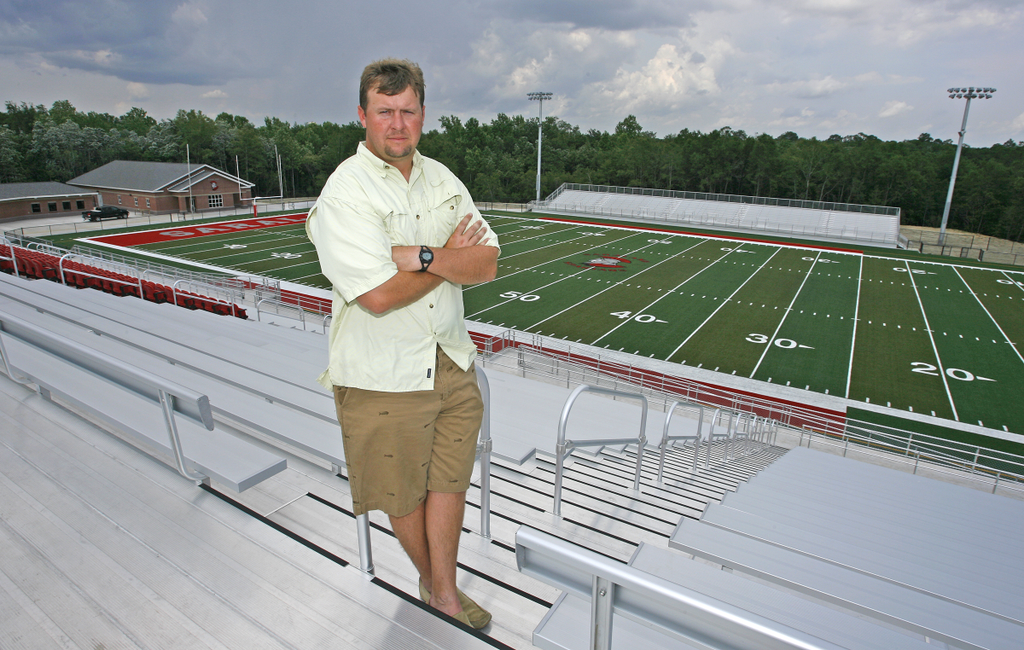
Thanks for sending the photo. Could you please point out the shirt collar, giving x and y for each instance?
(383, 168)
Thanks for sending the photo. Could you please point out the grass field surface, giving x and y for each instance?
(933, 338)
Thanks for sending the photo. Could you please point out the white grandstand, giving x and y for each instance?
(823, 221)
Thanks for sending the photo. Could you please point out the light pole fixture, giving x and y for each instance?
(969, 94)
(540, 122)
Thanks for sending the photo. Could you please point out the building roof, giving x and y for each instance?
(148, 176)
(15, 191)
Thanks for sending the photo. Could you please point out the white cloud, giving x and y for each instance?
(894, 108)
(138, 91)
(189, 13)
(215, 94)
(1017, 126)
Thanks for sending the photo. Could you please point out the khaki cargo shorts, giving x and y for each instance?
(400, 445)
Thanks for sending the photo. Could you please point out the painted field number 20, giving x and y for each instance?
(525, 297)
(955, 373)
(640, 318)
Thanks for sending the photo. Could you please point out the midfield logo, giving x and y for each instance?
(607, 263)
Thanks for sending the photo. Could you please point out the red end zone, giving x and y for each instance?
(187, 232)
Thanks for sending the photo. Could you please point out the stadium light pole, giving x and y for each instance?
(960, 93)
(540, 122)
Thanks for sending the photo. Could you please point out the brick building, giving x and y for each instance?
(21, 200)
(165, 187)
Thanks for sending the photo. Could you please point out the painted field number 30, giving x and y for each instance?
(785, 344)
(525, 297)
(640, 318)
(955, 373)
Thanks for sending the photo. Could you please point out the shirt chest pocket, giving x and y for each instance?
(443, 213)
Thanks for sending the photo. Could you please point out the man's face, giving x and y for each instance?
(393, 124)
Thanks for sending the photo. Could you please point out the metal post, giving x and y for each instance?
(960, 93)
(540, 123)
(601, 613)
(365, 553)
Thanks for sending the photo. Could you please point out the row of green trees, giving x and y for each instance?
(497, 161)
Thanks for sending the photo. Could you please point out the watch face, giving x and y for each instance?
(428, 256)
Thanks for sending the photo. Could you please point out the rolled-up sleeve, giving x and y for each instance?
(353, 247)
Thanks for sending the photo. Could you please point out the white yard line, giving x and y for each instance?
(931, 337)
(545, 263)
(856, 319)
(724, 302)
(1007, 338)
(785, 315)
(571, 275)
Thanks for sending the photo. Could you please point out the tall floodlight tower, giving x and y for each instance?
(540, 123)
(969, 94)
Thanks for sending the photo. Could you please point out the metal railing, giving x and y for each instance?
(483, 452)
(614, 588)
(564, 447)
(942, 456)
(728, 198)
(13, 259)
(172, 398)
(553, 360)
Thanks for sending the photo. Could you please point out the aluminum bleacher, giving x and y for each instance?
(104, 546)
(834, 222)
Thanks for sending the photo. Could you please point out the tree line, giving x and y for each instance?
(497, 161)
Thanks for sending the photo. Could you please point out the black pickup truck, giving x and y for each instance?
(105, 212)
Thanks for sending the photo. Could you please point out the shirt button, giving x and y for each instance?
(417, 216)
(431, 305)
(451, 207)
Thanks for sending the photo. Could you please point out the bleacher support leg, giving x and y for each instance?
(365, 553)
(601, 614)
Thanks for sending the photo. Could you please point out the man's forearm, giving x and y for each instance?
(468, 265)
(399, 290)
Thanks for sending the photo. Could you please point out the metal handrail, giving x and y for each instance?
(281, 303)
(615, 588)
(563, 446)
(483, 452)
(13, 257)
(64, 280)
(173, 398)
(665, 439)
(205, 289)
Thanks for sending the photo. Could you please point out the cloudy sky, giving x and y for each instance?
(816, 67)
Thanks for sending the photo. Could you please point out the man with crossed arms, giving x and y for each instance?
(398, 235)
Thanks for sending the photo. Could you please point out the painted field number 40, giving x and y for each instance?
(955, 373)
(640, 318)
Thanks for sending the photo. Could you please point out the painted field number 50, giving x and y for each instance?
(525, 297)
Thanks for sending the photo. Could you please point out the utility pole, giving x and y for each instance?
(969, 94)
(540, 123)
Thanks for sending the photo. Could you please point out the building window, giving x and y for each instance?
(36, 207)
(119, 199)
(147, 204)
(216, 200)
(136, 201)
(66, 206)
(52, 206)
(80, 205)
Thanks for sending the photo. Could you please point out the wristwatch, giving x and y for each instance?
(426, 257)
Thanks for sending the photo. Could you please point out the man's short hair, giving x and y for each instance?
(391, 77)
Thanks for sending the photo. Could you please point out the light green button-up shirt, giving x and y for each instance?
(365, 208)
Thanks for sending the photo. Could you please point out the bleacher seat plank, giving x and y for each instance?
(938, 618)
(229, 460)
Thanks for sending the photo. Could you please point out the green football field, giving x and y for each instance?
(934, 338)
